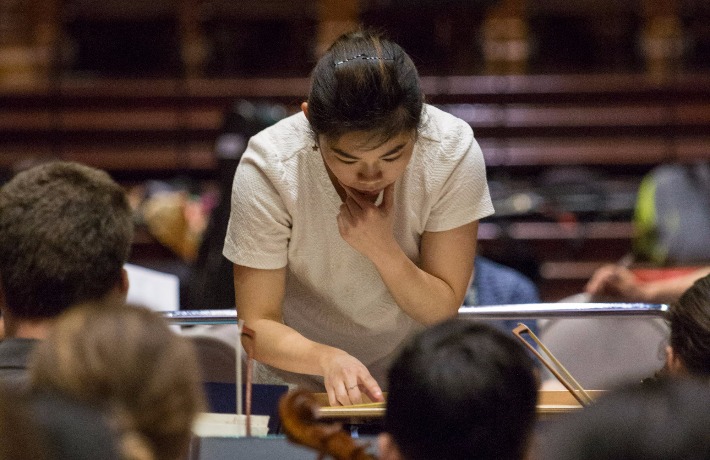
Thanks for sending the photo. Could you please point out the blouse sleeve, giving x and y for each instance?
(259, 223)
(464, 196)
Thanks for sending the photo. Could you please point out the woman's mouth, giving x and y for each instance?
(368, 192)
(373, 196)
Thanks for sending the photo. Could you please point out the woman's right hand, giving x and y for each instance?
(346, 378)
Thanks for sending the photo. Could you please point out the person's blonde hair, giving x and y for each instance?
(125, 360)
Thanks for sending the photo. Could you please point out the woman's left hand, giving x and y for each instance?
(366, 227)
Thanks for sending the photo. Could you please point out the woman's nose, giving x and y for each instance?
(370, 172)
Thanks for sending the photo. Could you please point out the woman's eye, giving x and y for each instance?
(392, 158)
(347, 161)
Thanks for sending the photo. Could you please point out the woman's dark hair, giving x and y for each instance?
(689, 320)
(364, 83)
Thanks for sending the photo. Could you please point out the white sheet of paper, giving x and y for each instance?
(156, 290)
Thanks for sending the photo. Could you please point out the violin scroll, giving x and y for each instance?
(298, 410)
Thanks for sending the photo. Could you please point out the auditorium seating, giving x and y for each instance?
(617, 126)
(520, 121)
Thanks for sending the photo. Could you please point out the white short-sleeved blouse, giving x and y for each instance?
(284, 210)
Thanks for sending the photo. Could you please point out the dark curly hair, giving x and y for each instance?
(65, 233)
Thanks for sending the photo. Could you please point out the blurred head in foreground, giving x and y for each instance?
(460, 390)
(664, 419)
(689, 318)
(126, 361)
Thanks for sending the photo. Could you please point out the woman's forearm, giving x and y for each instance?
(424, 297)
(280, 346)
(434, 289)
(258, 298)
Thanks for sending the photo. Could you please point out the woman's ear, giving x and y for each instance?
(387, 448)
(304, 108)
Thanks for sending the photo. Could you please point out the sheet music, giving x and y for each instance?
(156, 290)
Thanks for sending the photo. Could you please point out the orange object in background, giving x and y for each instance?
(646, 275)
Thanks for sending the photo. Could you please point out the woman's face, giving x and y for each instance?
(366, 166)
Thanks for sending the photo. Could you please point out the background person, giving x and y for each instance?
(614, 283)
(460, 390)
(126, 362)
(65, 234)
(665, 420)
(688, 352)
(672, 226)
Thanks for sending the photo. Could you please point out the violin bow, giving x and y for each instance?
(553, 365)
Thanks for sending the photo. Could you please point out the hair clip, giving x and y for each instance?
(364, 57)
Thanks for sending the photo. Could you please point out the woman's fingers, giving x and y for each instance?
(346, 379)
(332, 397)
(354, 394)
(387, 198)
(372, 389)
(344, 394)
(341, 394)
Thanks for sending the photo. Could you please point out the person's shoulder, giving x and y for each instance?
(17, 345)
(73, 429)
(503, 273)
(283, 139)
(672, 173)
(444, 135)
(438, 125)
(279, 155)
(14, 361)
